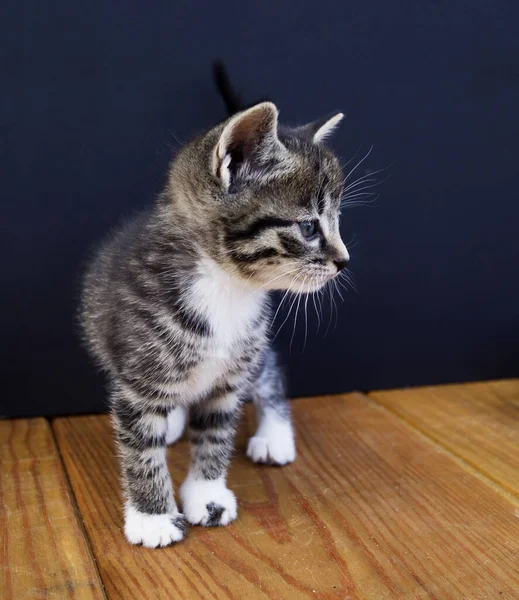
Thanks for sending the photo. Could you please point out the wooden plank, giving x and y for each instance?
(478, 422)
(44, 552)
(370, 510)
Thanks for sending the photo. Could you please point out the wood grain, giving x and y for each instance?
(478, 422)
(370, 510)
(44, 551)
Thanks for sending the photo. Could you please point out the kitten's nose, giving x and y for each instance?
(341, 264)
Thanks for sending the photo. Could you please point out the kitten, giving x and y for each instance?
(175, 309)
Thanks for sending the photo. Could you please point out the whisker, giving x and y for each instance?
(365, 179)
(337, 289)
(179, 142)
(274, 279)
(288, 315)
(314, 296)
(350, 278)
(327, 289)
(359, 163)
(353, 243)
(336, 313)
(360, 193)
(351, 189)
(350, 204)
(321, 303)
(306, 320)
(342, 284)
(352, 158)
(318, 296)
(359, 201)
(289, 310)
(282, 300)
(299, 295)
(367, 175)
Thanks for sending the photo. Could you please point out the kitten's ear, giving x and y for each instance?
(319, 130)
(248, 140)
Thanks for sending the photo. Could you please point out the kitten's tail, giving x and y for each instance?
(232, 100)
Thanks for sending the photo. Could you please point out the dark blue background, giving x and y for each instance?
(96, 96)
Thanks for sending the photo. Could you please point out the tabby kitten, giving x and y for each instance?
(175, 309)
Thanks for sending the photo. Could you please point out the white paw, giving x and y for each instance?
(271, 451)
(176, 424)
(208, 503)
(153, 530)
(273, 443)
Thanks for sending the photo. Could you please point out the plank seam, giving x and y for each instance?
(76, 509)
(468, 466)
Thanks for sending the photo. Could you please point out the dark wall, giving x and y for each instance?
(96, 96)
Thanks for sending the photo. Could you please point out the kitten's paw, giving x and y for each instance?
(153, 530)
(208, 503)
(273, 443)
(176, 423)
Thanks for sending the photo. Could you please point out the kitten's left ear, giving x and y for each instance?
(319, 130)
(247, 142)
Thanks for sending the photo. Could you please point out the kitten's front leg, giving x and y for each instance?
(206, 500)
(151, 514)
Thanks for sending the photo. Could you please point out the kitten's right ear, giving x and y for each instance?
(248, 140)
(318, 131)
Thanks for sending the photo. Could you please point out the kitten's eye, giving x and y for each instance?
(308, 229)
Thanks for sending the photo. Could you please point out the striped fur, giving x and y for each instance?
(175, 310)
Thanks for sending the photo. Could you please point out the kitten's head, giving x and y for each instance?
(264, 200)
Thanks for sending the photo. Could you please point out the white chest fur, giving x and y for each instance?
(231, 309)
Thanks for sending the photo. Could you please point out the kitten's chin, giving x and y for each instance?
(314, 286)
(302, 286)
(300, 282)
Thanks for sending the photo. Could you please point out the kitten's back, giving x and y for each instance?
(101, 285)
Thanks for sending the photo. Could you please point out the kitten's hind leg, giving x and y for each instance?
(151, 514)
(176, 424)
(273, 442)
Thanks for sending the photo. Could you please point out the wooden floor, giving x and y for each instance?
(402, 494)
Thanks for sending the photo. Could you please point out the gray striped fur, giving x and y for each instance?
(175, 310)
